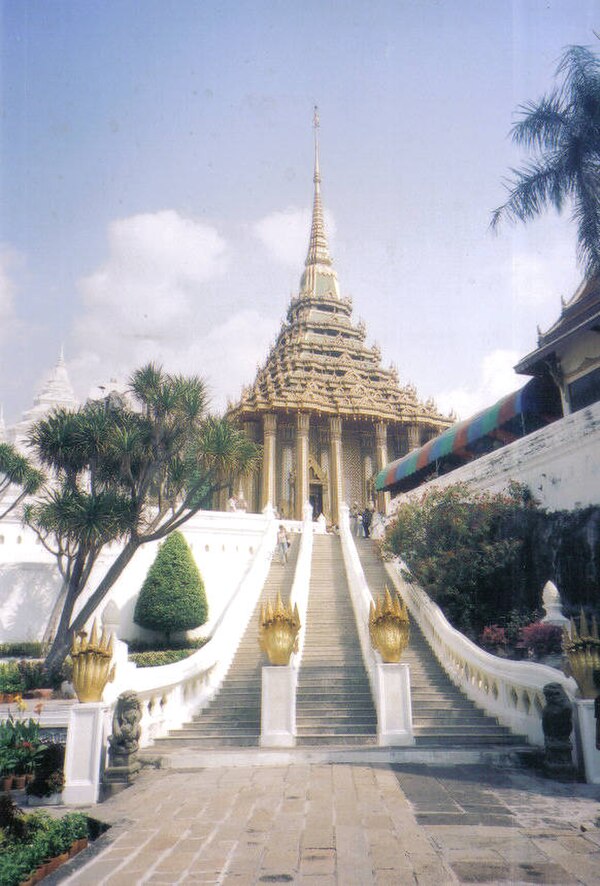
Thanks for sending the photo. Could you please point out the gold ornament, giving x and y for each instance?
(91, 664)
(583, 654)
(389, 627)
(278, 630)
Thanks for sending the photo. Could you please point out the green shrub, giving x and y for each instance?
(33, 649)
(153, 659)
(32, 839)
(11, 680)
(33, 674)
(463, 548)
(172, 597)
(162, 645)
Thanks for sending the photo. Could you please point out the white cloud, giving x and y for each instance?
(497, 378)
(154, 299)
(285, 234)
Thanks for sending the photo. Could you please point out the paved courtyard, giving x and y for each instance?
(345, 824)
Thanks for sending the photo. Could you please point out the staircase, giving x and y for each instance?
(442, 715)
(233, 717)
(333, 700)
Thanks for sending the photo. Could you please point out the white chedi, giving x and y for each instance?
(552, 606)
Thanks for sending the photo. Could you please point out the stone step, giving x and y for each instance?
(338, 740)
(230, 741)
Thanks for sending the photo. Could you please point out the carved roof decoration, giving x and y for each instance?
(319, 362)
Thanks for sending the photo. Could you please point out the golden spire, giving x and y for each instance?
(318, 250)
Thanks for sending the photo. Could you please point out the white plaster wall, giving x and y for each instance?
(559, 463)
(223, 546)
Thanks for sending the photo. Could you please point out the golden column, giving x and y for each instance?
(335, 480)
(381, 460)
(248, 481)
(413, 437)
(268, 466)
(302, 490)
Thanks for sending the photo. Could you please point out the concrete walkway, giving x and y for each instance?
(346, 824)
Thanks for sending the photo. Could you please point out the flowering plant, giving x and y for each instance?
(493, 636)
(541, 639)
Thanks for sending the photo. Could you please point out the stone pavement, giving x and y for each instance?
(345, 824)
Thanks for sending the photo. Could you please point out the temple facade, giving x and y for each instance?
(55, 392)
(328, 415)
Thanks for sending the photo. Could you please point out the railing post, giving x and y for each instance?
(394, 714)
(84, 754)
(278, 707)
(586, 729)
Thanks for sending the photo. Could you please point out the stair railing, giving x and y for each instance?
(171, 694)
(301, 584)
(511, 691)
(390, 683)
(279, 683)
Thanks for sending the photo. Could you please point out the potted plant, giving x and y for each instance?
(48, 781)
(11, 682)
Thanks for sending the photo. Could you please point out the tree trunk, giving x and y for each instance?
(53, 621)
(62, 640)
(60, 645)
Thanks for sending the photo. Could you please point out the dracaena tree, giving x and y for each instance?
(128, 473)
(562, 131)
(18, 479)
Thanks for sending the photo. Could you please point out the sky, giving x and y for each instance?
(156, 184)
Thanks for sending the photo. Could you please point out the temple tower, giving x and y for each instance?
(328, 415)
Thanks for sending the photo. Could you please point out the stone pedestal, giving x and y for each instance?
(587, 738)
(394, 726)
(278, 707)
(83, 758)
(122, 770)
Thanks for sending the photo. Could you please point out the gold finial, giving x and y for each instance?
(389, 627)
(582, 649)
(91, 664)
(278, 629)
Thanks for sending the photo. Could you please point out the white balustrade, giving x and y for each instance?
(511, 691)
(278, 692)
(171, 694)
(390, 683)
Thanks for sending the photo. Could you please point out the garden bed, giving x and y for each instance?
(33, 845)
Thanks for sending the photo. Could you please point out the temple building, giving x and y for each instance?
(326, 412)
(568, 353)
(55, 392)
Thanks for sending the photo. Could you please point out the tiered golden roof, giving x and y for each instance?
(320, 363)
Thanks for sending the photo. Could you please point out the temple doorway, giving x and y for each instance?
(315, 497)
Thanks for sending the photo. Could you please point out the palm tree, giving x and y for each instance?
(563, 132)
(16, 471)
(127, 474)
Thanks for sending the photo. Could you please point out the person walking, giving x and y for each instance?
(282, 544)
(367, 517)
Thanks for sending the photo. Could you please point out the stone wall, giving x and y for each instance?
(560, 464)
(223, 546)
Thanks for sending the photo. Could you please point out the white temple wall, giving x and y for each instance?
(223, 546)
(559, 463)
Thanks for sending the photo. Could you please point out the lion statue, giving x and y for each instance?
(126, 728)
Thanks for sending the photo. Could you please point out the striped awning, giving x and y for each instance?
(459, 440)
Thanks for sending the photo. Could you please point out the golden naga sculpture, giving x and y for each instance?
(278, 630)
(389, 627)
(91, 664)
(583, 654)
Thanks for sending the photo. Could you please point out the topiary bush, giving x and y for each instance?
(172, 597)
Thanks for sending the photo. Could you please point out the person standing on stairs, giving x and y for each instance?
(367, 517)
(282, 544)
